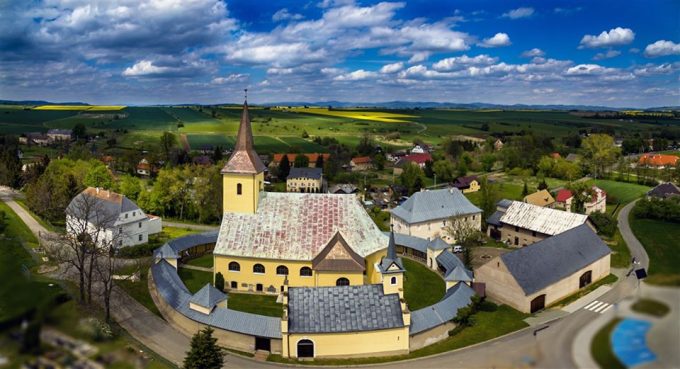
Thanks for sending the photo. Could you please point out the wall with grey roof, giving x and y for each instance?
(434, 204)
(442, 312)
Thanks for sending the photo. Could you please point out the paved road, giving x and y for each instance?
(636, 249)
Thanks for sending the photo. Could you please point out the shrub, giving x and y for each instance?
(666, 210)
(605, 223)
(219, 281)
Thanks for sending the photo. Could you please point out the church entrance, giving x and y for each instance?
(305, 348)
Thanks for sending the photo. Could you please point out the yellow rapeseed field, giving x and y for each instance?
(81, 107)
(376, 116)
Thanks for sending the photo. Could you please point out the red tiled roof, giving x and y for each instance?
(361, 160)
(291, 157)
(418, 158)
(555, 155)
(563, 195)
(658, 160)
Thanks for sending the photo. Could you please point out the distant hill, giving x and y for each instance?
(37, 102)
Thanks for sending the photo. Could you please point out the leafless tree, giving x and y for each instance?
(461, 230)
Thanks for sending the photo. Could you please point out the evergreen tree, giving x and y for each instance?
(204, 352)
(525, 189)
(284, 167)
(301, 161)
(219, 281)
(217, 154)
(319, 161)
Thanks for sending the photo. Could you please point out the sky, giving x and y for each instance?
(133, 52)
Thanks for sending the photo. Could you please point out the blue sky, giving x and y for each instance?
(614, 53)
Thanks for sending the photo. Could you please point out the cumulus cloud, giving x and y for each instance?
(234, 77)
(357, 75)
(523, 12)
(498, 40)
(535, 52)
(392, 68)
(662, 48)
(145, 68)
(614, 37)
(284, 14)
(463, 61)
(608, 55)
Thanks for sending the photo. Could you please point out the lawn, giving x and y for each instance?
(621, 192)
(194, 279)
(660, 240)
(205, 261)
(256, 304)
(16, 227)
(651, 307)
(422, 286)
(491, 321)
(139, 291)
(601, 348)
(620, 257)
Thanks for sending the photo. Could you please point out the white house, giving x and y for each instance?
(107, 216)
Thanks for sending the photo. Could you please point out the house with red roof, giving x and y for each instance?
(360, 163)
(597, 203)
(659, 161)
(418, 159)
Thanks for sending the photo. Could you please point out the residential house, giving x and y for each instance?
(498, 145)
(343, 188)
(659, 161)
(596, 204)
(467, 184)
(361, 163)
(107, 216)
(536, 276)
(108, 160)
(520, 224)
(664, 191)
(555, 155)
(418, 159)
(540, 198)
(428, 214)
(203, 160)
(304, 180)
(56, 135)
(144, 168)
(420, 149)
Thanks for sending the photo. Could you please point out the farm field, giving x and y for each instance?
(621, 192)
(376, 116)
(80, 107)
(660, 240)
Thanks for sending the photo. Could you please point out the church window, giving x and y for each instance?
(281, 270)
(305, 272)
(234, 267)
(239, 188)
(342, 282)
(393, 281)
(258, 268)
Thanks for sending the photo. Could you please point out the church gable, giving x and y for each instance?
(338, 256)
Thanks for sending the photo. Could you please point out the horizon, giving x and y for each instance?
(363, 52)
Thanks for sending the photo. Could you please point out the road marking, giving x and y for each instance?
(598, 307)
(607, 308)
(598, 310)
(592, 308)
(590, 305)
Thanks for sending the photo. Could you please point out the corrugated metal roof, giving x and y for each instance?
(545, 262)
(297, 226)
(174, 292)
(442, 312)
(543, 220)
(435, 204)
(342, 309)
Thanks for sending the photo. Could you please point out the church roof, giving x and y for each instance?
(298, 226)
(244, 159)
(391, 258)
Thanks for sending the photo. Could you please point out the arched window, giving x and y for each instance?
(234, 267)
(281, 270)
(393, 280)
(258, 268)
(305, 348)
(239, 188)
(305, 272)
(342, 282)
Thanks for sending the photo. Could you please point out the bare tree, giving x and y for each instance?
(461, 230)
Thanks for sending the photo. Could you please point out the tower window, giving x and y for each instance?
(393, 281)
(239, 188)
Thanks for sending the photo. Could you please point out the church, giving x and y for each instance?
(308, 240)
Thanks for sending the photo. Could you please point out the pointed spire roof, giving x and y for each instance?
(244, 159)
(391, 247)
(391, 257)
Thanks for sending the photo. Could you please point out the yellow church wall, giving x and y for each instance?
(373, 276)
(352, 344)
(324, 279)
(247, 201)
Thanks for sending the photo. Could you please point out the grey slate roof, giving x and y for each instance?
(442, 312)
(495, 218)
(165, 252)
(100, 206)
(438, 244)
(391, 258)
(454, 268)
(342, 309)
(664, 190)
(175, 294)
(313, 173)
(417, 243)
(208, 296)
(435, 204)
(545, 262)
(346, 188)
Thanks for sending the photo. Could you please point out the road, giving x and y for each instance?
(551, 348)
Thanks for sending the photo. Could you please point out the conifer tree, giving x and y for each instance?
(204, 352)
(284, 167)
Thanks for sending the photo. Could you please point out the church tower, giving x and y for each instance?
(243, 175)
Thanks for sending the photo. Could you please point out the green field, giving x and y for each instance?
(621, 192)
(422, 286)
(660, 240)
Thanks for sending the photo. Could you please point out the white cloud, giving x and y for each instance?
(523, 12)
(419, 57)
(234, 77)
(662, 48)
(608, 55)
(653, 69)
(498, 40)
(144, 68)
(459, 62)
(543, 91)
(535, 52)
(614, 37)
(586, 69)
(392, 68)
(284, 14)
(357, 75)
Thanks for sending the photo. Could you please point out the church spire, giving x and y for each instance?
(391, 247)
(244, 159)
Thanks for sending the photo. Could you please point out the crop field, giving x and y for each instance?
(81, 107)
(375, 116)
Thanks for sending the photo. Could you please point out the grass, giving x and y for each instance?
(582, 292)
(650, 307)
(140, 291)
(194, 279)
(205, 261)
(49, 226)
(491, 321)
(620, 257)
(601, 348)
(255, 304)
(621, 192)
(660, 240)
(422, 286)
(16, 228)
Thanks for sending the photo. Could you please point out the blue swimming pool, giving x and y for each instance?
(629, 342)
